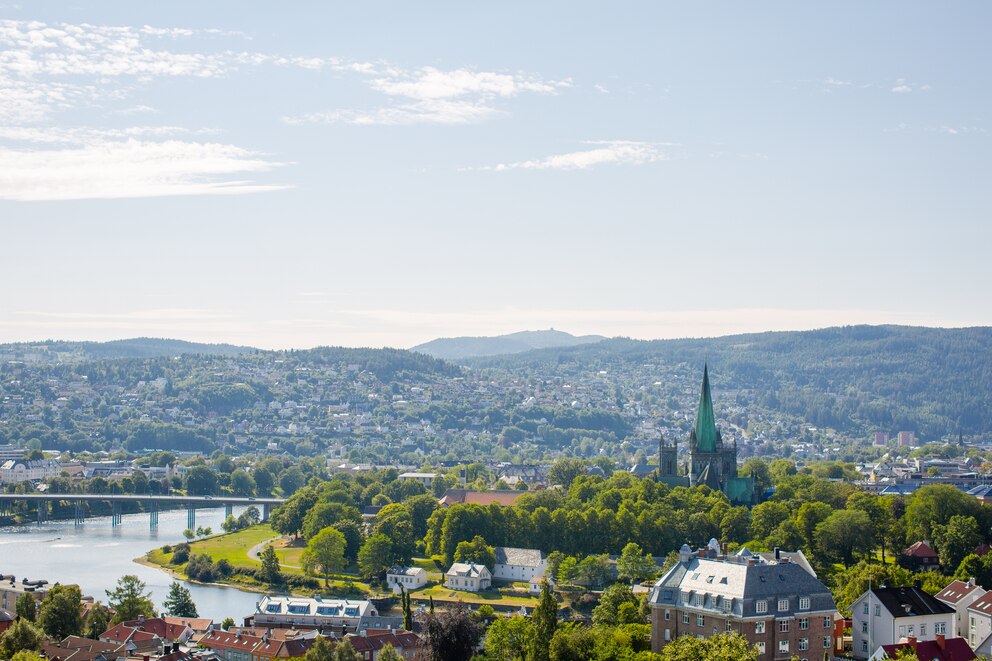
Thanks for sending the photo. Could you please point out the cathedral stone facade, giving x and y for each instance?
(711, 463)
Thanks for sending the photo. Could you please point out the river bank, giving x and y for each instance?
(95, 554)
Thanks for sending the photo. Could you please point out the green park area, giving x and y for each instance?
(241, 550)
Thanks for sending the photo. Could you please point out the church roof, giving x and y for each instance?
(706, 433)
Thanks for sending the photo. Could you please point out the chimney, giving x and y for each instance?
(778, 554)
(911, 641)
(145, 658)
(940, 640)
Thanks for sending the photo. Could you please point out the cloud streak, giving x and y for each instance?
(129, 168)
(434, 96)
(611, 152)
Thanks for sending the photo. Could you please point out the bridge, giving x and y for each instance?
(153, 503)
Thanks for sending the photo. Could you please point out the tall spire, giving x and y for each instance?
(706, 433)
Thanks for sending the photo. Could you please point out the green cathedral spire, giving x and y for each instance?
(706, 433)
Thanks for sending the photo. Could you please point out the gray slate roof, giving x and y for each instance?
(506, 555)
(735, 587)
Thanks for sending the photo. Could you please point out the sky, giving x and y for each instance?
(383, 173)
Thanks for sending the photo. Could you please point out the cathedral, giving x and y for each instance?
(710, 462)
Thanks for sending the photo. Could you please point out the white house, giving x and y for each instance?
(406, 578)
(427, 479)
(959, 595)
(518, 564)
(468, 576)
(884, 616)
(980, 624)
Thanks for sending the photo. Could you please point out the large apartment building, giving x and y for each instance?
(777, 604)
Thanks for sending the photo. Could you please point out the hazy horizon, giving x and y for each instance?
(674, 336)
(312, 174)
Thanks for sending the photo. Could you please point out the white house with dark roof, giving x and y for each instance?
(884, 616)
(514, 564)
(468, 576)
(960, 595)
(406, 578)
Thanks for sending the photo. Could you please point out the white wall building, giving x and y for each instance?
(518, 564)
(318, 613)
(406, 578)
(468, 576)
(13, 471)
(884, 616)
(979, 626)
(959, 595)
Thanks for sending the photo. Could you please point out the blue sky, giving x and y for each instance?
(382, 173)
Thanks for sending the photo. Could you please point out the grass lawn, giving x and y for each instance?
(433, 572)
(491, 597)
(234, 547)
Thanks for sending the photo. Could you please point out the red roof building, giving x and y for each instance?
(406, 643)
(942, 649)
(500, 497)
(922, 555)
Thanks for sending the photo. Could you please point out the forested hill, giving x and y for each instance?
(139, 347)
(457, 348)
(930, 380)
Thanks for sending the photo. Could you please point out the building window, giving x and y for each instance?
(761, 646)
(803, 623)
(668, 635)
(759, 627)
(783, 626)
(923, 630)
(700, 621)
(865, 609)
(878, 610)
(729, 627)
(864, 627)
(939, 627)
(804, 603)
(783, 605)
(803, 644)
(685, 617)
(668, 614)
(826, 642)
(864, 646)
(783, 646)
(761, 606)
(911, 630)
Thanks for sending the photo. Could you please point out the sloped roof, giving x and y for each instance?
(467, 570)
(706, 434)
(983, 604)
(910, 602)
(507, 555)
(954, 649)
(956, 591)
(920, 550)
(499, 497)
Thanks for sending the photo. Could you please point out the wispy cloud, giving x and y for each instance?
(609, 152)
(830, 85)
(903, 86)
(105, 168)
(430, 95)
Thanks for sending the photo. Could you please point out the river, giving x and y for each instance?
(95, 554)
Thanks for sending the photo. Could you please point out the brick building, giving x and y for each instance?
(778, 605)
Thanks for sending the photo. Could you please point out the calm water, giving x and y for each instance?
(94, 555)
